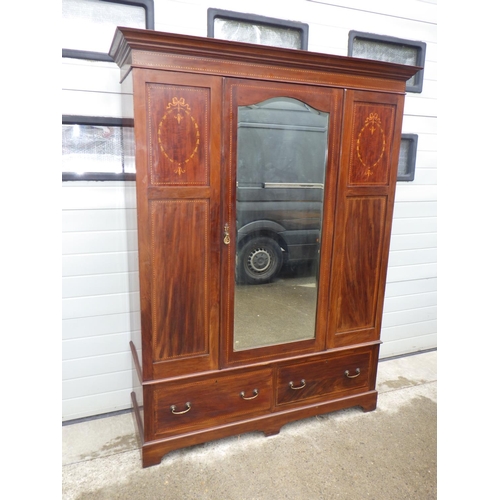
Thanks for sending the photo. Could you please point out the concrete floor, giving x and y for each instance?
(275, 313)
(387, 454)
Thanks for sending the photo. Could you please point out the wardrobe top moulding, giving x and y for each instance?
(135, 48)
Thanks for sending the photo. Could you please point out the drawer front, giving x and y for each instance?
(334, 376)
(204, 402)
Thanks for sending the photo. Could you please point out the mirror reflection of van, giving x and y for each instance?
(282, 146)
(277, 224)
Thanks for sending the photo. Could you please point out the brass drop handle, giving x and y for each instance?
(227, 239)
(303, 382)
(173, 409)
(255, 394)
(358, 371)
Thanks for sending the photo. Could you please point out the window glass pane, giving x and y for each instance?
(262, 34)
(385, 51)
(404, 157)
(97, 148)
(128, 150)
(90, 24)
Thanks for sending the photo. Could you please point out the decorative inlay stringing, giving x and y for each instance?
(177, 112)
(372, 126)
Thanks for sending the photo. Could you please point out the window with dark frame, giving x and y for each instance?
(100, 17)
(407, 157)
(97, 149)
(390, 49)
(250, 28)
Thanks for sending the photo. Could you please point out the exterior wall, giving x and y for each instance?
(100, 282)
(100, 291)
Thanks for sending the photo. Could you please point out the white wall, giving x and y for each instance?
(100, 290)
(100, 282)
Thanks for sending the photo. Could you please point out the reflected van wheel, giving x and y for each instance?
(259, 261)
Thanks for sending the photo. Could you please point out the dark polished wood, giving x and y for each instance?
(153, 451)
(362, 234)
(365, 202)
(194, 386)
(145, 48)
(178, 157)
(211, 400)
(330, 376)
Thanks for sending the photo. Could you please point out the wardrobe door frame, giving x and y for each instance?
(239, 92)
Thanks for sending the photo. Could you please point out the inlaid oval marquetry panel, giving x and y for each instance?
(370, 144)
(177, 135)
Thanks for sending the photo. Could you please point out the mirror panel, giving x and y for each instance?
(281, 161)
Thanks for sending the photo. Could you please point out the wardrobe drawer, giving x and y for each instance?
(197, 403)
(333, 376)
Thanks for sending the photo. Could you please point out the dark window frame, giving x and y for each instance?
(412, 158)
(148, 6)
(97, 176)
(420, 46)
(212, 14)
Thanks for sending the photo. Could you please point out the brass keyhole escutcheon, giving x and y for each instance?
(227, 239)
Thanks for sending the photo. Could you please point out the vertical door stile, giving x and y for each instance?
(328, 225)
(228, 221)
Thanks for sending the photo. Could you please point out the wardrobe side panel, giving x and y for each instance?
(178, 189)
(368, 172)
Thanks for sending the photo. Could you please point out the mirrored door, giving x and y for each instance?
(281, 155)
(279, 158)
